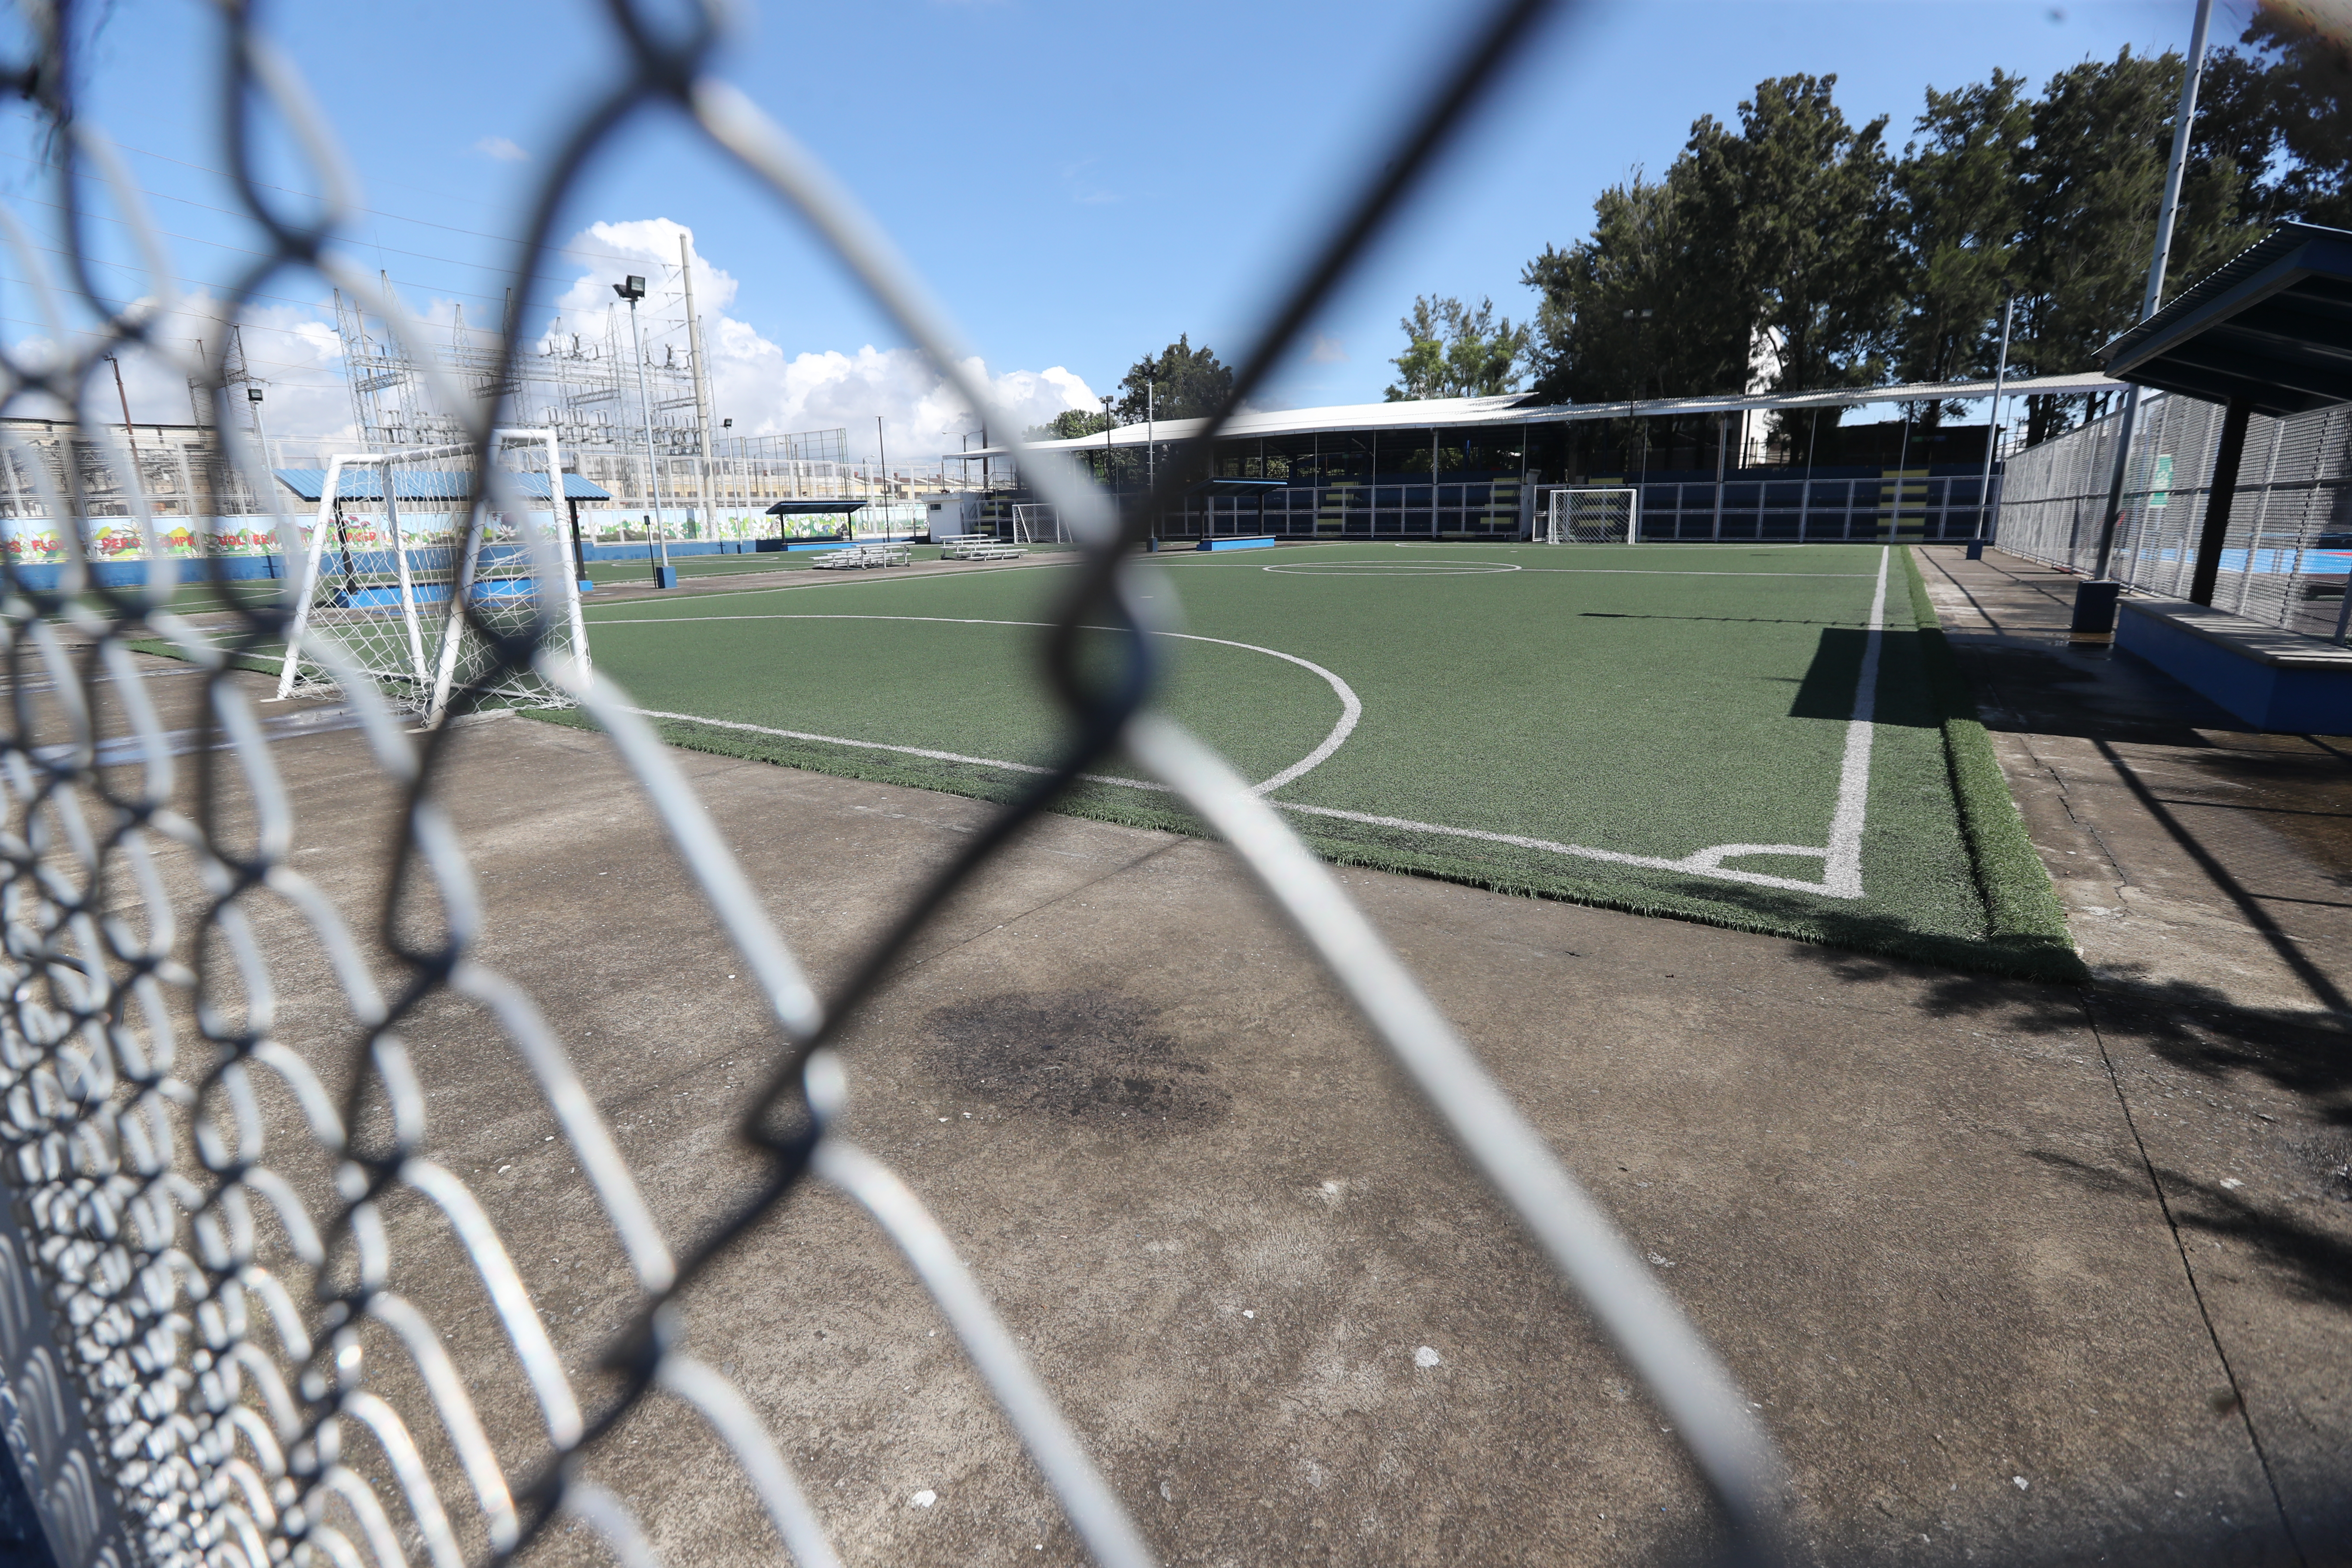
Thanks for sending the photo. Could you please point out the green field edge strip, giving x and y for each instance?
(1656, 894)
(2025, 921)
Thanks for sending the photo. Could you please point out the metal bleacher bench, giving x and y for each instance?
(977, 549)
(863, 555)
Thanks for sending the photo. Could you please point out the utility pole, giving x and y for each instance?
(1106, 424)
(632, 291)
(127, 433)
(881, 462)
(2095, 601)
(701, 383)
(199, 397)
(1992, 424)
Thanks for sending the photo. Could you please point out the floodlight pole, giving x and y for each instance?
(632, 291)
(2095, 601)
(701, 379)
(1986, 521)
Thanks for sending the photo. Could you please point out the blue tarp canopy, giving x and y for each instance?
(427, 485)
(1237, 486)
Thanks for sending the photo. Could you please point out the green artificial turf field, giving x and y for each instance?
(1669, 730)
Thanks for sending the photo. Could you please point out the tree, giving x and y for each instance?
(2102, 137)
(1180, 383)
(1792, 249)
(1816, 244)
(1067, 425)
(1960, 216)
(2304, 103)
(1639, 308)
(1452, 350)
(1764, 253)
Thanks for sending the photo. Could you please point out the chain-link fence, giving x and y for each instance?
(216, 1086)
(2289, 547)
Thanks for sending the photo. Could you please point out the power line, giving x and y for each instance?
(310, 196)
(241, 250)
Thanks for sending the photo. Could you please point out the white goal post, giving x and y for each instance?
(391, 589)
(1594, 514)
(1038, 524)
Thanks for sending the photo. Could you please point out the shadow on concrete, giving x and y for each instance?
(2316, 1265)
(2303, 1052)
(2043, 686)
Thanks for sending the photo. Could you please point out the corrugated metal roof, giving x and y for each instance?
(2273, 325)
(1519, 408)
(427, 484)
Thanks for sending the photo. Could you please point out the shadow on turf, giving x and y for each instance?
(1827, 690)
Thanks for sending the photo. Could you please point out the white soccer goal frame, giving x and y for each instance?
(546, 550)
(1025, 516)
(1559, 522)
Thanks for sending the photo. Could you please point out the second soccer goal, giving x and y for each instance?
(1038, 524)
(1594, 514)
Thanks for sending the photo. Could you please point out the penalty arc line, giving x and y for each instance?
(1351, 707)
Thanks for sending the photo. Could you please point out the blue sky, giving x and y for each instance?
(1080, 184)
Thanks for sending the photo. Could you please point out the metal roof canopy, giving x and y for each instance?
(426, 484)
(2271, 328)
(1520, 408)
(1237, 486)
(827, 507)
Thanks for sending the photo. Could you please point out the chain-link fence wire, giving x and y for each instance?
(209, 1356)
(2289, 546)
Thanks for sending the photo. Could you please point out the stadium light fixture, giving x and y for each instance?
(260, 434)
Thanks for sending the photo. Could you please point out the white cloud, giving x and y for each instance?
(766, 390)
(500, 147)
(290, 349)
(1327, 350)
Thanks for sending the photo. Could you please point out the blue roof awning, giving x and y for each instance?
(427, 485)
(817, 508)
(2271, 327)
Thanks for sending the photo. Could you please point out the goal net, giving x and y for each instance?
(403, 543)
(1594, 514)
(1038, 525)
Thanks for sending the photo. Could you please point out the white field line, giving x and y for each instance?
(1351, 707)
(988, 571)
(1646, 572)
(1841, 860)
(1842, 871)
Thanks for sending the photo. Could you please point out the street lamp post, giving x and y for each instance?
(632, 291)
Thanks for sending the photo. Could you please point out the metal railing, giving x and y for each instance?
(208, 1355)
(2288, 551)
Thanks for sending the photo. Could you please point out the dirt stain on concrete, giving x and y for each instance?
(1093, 1055)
